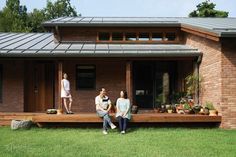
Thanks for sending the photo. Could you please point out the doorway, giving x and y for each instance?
(39, 86)
(154, 81)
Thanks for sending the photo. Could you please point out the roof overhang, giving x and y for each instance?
(209, 27)
(43, 45)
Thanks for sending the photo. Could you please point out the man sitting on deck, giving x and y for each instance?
(103, 105)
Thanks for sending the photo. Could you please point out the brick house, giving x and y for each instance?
(149, 57)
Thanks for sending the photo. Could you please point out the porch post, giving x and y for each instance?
(60, 66)
(196, 73)
(129, 80)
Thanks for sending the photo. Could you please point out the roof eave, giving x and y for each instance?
(111, 25)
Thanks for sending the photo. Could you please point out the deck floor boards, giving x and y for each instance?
(93, 118)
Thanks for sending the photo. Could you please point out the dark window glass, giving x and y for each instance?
(130, 36)
(85, 77)
(1, 82)
(117, 36)
(157, 36)
(104, 36)
(144, 36)
(170, 36)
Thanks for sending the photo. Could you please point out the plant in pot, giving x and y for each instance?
(192, 83)
(169, 108)
(211, 108)
(180, 108)
(187, 108)
(196, 108)
(134, 109)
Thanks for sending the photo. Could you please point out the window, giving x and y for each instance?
(170, 37)
(157, 36)
(117, 36)
(1, 82)
(130, 36)
(85, 77)
(104, 36)
(144, 36)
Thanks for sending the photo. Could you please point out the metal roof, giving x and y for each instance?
(225, 27)
(42, 45)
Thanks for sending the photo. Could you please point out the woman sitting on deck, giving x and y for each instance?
(123, 111)
(103, 105)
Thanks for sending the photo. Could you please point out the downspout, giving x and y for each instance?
(196, 73)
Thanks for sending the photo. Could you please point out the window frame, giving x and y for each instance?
(98, 36)
(137, 34)
(77, 77)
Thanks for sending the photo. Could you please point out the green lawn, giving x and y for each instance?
(166, 142)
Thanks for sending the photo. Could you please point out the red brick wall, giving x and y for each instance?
(109, 74)
(218, 74)
(13, 86)
(228, 104)
(210, 68)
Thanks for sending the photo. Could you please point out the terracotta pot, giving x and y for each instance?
(212, 113)
(134, 109)
(201, 111)
(187, 111)
(59, 111)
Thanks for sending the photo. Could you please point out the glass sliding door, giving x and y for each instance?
(154, 82)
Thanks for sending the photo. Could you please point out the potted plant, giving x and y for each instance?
(196, 108)
(192, 83)
(163, 109)
(134, 109)
(187, 108)
(169, 108)
(179, 108)
(211, 108)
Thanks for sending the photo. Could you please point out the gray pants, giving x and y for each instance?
(106, 119)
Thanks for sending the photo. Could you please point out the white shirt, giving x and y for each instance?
(102, 102)
(66, 84)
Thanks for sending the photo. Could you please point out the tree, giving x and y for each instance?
(35, 20)
(59, 8)
(207, 9)
(14, 17)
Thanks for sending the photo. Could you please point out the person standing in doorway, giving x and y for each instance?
(66, 94)
(103, 105)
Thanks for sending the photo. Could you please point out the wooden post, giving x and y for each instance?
(129, 80)
(59, 101)
(196, 74)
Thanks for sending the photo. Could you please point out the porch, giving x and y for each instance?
(41, 118)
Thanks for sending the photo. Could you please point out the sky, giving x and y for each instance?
(134, 8)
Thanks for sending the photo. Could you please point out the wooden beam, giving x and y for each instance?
(201, 33)
(59, 72)
(136, 118)
(129, 80)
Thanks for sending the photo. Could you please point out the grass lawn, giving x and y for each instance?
(163, 142)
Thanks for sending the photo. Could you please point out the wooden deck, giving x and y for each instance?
(41, 118)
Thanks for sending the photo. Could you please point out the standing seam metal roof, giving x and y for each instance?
(224, 27)
(42, 45)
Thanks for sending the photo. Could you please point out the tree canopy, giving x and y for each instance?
(15, 18)
(207, 9)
